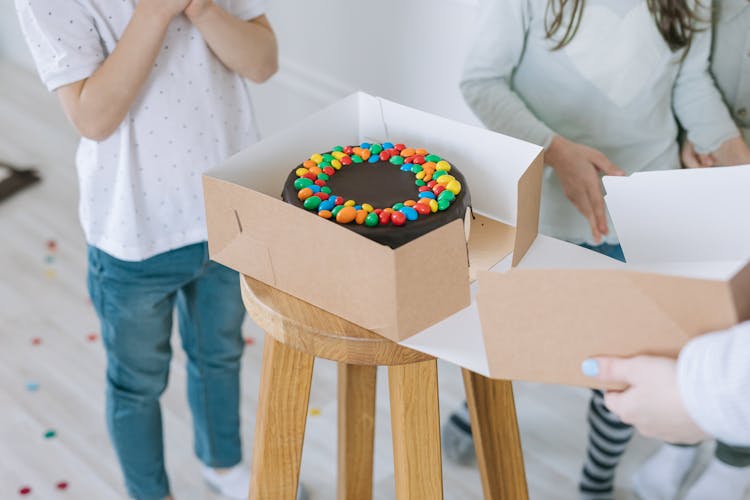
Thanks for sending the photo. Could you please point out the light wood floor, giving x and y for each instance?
(48, 300)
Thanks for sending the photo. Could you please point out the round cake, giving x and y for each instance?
(387, 192)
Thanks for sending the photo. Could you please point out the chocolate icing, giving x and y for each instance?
(383, 184)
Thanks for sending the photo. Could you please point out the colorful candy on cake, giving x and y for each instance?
(387, 192)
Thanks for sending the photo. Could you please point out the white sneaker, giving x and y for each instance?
(234, 483)
(662, 475)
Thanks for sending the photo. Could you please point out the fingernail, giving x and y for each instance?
(590, 367)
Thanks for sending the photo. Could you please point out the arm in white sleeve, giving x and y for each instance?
(697, 102)
(713, 374)
(485, 83)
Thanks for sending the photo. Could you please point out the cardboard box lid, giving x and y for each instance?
(244, 191)
(564, 303)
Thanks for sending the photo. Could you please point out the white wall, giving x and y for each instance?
(410, 51)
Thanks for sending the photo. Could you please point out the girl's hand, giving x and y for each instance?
(196, 8)
(732, 152)
(693, 159)
(652, 402)
(164, 9)
(579, 168)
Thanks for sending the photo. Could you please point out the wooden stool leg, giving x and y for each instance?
(280, 423)
(415, 424)
(356, 427)
(495, 430)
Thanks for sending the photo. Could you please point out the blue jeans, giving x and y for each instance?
(135, 302)
(614, 251)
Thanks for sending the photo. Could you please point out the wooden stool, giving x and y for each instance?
(297, 333)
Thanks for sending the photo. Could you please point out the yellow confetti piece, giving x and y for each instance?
(314, 412)
(50, 273)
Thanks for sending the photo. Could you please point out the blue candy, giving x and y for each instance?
(427, 194)
(373, 159)
(410, 213)
(365, 145)
(357, 207)
(387, 145)
(327, 205)
(314, 188)
(406, 167)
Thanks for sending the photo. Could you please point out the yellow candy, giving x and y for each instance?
(433, 205)
(351, 203)
(443, 165)
(445, 179)
(453, 186)
(367, 207)
(317, 158)
(336, 164)
(301, 171)
(338, 155)
(420, 175)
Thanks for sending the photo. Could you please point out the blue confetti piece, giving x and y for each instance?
(32, 386)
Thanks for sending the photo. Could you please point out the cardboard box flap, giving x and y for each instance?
(671, 216)
(532, 319)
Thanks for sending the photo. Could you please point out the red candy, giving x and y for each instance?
(385, 218)
(25, 490)
(339, 201)
(422, 189)
(62, 485)
(345, 160)
(348, 150)
(408, 159)
(310, 176)
(320, 182)
(398, 219)
(438, 189)
(384, 156)
(329, 171)
(399, 147)
(378, 211)
(419, 159)
(323, 196)
(422, 209)
(431, 184)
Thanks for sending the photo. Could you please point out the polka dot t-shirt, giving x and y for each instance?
(140, 188)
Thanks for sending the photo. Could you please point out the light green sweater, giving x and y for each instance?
(616, 87)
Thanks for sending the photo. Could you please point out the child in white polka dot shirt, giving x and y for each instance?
(156, 90)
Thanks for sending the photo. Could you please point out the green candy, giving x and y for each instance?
(312, 203)
(323, 177)
(376, 149)
(397, 160)
(326, 190)
(416, 169)
(438, 174)
(324, 164)
(420, 182)
(336, 210)
(397, 206)
(442, 204)
(340, 149)
(357, 159)
(328, 157)
(433, 158)
(301, 183)
(372, 219)
(447, 196)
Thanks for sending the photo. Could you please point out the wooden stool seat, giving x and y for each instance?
(297, 333)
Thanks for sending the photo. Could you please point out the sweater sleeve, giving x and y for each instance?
(486, 80)
(697, 102)
(713, 374)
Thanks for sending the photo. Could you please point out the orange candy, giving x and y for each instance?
(304, 193)
(309, 164)
(421, 152)
(316, 170)
(407, 152)
(346, 215)
(326, 214)
(365, 154)
(410, 203)
(361, 216)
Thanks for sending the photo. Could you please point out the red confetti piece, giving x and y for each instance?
(36, 341)
(51, 245)
(249, 341)
(24, 490)
(62, 485)
(92, 337)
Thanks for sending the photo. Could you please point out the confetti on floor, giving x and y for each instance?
(24, 490)
(32, 386)
(62, 485)
(51, 245)
(249, 341)
(36, 341)
(50, 434)
(50, 273)
(314, 412)
(92, 337)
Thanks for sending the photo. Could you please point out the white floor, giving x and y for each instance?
(48, 300)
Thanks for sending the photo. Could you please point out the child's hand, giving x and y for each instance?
(652, 402)
(197, 7)
(732, 152)
(693, 159)
(166, 9)
(579, 167)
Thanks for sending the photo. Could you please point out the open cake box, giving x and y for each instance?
(540, 306)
